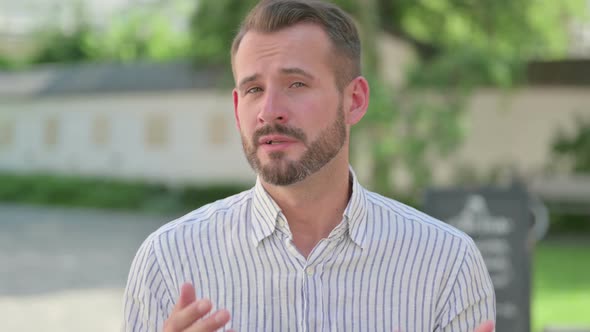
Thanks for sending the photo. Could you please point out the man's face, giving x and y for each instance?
(288, 109)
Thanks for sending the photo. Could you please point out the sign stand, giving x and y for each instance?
(499, 220)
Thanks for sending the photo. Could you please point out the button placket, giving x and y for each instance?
(313, 297)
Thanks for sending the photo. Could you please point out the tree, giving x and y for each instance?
(573, 150)
(142, 33)
(213, 27)
(59, 45)
(462, 44)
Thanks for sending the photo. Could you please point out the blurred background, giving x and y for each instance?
(116, 117)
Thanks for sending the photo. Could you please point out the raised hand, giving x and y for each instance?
(188, 313)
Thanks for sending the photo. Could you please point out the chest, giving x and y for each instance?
(338, 287)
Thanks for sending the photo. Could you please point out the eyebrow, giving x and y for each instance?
(287, 71)
(247, 80)
(297, 71)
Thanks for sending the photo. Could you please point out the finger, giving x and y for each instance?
(212, 323)
(186, 317)
(187, 296)
(487, 326)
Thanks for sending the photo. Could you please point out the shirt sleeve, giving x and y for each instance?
(146, 296)
(472, 299)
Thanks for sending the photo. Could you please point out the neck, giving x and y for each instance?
(314, 206)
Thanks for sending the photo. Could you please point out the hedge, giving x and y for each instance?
(108, 193)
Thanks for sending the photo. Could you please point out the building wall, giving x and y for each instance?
(516, 129)
(190, 136)
(179, 137)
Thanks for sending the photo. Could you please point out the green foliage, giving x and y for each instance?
(467, 68)
(512, 28)
(11, 63)
(481, 42)
(571, 152)
(409, 129)
(5, 62)
(574, 150)
(139, 34)
(107, 193)
(473, 42)
(59, 46)
(568, 223)
(212, 36)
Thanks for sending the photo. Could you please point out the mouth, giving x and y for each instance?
(270, 140)
(274, 142)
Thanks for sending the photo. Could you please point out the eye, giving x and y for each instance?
(253, 90)
(297, 85)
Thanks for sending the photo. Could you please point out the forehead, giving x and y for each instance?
(304, 45)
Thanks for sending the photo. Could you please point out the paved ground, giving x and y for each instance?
(63, 270)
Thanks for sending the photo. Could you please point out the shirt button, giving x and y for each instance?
(309, 270)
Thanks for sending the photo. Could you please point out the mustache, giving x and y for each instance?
(278, 129)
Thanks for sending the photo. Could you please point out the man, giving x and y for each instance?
(308, 248)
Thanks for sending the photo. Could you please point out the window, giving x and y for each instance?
(101, 131)
(156, 131)
(51, 131)
(217, 129)
(6, 132)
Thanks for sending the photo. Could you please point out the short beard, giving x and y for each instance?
(283, 172)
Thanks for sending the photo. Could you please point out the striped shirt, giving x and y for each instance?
(385, 267)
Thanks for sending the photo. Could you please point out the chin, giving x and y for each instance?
(276, 164)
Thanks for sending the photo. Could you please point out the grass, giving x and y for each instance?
(561, 284)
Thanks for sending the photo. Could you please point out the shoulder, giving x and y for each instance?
(401, 215)
(221, 213)
(426, 238)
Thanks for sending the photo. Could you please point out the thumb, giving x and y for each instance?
(187, 296)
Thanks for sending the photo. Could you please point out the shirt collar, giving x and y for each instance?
(265, 213)
(355, 213)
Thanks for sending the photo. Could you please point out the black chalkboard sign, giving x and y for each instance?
(499, 221)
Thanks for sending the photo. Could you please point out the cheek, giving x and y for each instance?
(318, 114)
(247, 120)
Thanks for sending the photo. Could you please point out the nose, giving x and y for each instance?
(272, 109)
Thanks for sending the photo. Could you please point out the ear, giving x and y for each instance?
(236, 116)
(358, 92)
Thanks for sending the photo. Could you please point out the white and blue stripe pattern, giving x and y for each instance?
(386, 267)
